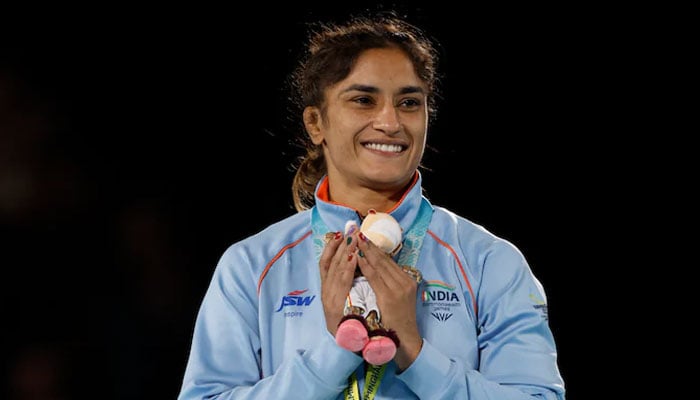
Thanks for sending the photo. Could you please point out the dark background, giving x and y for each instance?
(136, 145)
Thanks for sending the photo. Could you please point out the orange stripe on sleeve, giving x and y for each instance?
(277, 256)
(461, 268)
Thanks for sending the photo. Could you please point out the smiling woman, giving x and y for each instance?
(372, 126)
(122, 142)
(471, 328)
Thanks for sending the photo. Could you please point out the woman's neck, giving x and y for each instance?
(364, 198)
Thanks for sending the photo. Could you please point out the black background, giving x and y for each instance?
(137, 144)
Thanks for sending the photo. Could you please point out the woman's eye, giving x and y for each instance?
(363, 100)
(410, 103)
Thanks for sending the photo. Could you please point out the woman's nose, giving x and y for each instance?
(387, 120)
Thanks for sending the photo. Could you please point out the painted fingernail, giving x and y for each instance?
(350, 257)
(337, 236)
(349, 240)
(361, 254)
(363, 237)
(351, 230)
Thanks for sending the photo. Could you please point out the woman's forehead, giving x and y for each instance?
(381, 69)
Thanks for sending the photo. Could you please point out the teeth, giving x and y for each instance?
(392, 148)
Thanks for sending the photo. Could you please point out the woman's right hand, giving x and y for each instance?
(337, 266)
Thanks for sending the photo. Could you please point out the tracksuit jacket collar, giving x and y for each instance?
(335, 215)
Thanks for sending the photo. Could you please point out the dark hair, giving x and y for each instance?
(331, 53)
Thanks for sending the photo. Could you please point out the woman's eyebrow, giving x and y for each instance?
(361, 88)
(411, 89)
(374, 89)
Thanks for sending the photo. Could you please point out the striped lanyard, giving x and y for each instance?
(408, 256)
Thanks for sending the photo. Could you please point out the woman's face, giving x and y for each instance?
(374, 123)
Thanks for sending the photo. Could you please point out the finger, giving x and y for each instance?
(332, 243)
(377, 263)
(342, 266)
(340, 251)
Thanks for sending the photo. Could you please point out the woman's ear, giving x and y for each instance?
(312, 122)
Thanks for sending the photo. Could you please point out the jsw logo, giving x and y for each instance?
(293, 298)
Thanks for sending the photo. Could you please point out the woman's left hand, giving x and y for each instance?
(396, 298)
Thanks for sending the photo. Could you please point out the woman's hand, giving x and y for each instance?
(396, 298)
(337, 266)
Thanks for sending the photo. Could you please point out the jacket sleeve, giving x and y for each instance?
(225, 356)
(517, 353)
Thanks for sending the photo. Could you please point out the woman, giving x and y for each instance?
(474, 328)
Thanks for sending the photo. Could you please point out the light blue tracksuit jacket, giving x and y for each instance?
(261, 334)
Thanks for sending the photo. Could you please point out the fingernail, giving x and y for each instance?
(338, 235)
(350, 257)
(361, 254)
(349, 240)
(363, 237)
